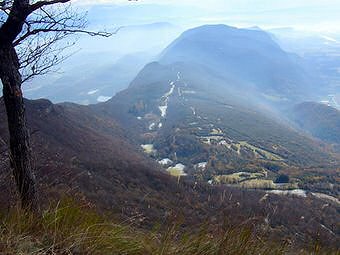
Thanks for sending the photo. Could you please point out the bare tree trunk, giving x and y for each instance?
(21, 157)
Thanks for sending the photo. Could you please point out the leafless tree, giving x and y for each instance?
(32, 41)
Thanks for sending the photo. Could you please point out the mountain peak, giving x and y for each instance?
(212, 41)
(222, 31)
(243, 55)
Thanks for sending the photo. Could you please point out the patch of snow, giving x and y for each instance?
(103, 99)
(160, 125)
(201, 166)
(193, 110)
(225, 143)
(180, 166)
(164, 107)
(171, 90)
(326, 197)
(294, 192)
(193, 123)
(91, 92)
(163, 110)
(139, 118)
(210, 182)
(152, 126)
(165, 161)
(148, 148)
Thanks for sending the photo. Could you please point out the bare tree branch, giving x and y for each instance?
(48, 30)
(40, 4)
(41, 44)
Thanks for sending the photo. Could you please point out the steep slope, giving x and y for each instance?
(76, 151)
(201, 121)
(320, 120)
(90, 157)
(175, 116)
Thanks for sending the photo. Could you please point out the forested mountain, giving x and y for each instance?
(246, 56)
(91, 158)
(190, 108)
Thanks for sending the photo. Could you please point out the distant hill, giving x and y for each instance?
(320, 53)
(320, 120)
(207, 100)
(305, 42)
(99, 70)
(90, 84)
(250, 57)
(194, 108)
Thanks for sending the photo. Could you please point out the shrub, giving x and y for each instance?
(282, 178)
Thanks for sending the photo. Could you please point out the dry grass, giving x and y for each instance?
(71, 229)
(65, 229)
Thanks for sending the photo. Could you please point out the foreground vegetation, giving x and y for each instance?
(68, 228)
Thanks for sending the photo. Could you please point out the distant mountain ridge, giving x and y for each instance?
(101, 69)
(250, 57)
(321, 120)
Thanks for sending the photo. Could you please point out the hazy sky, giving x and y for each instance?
(317, 15)
(240, 4)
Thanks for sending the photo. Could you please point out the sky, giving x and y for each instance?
(316, 15)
